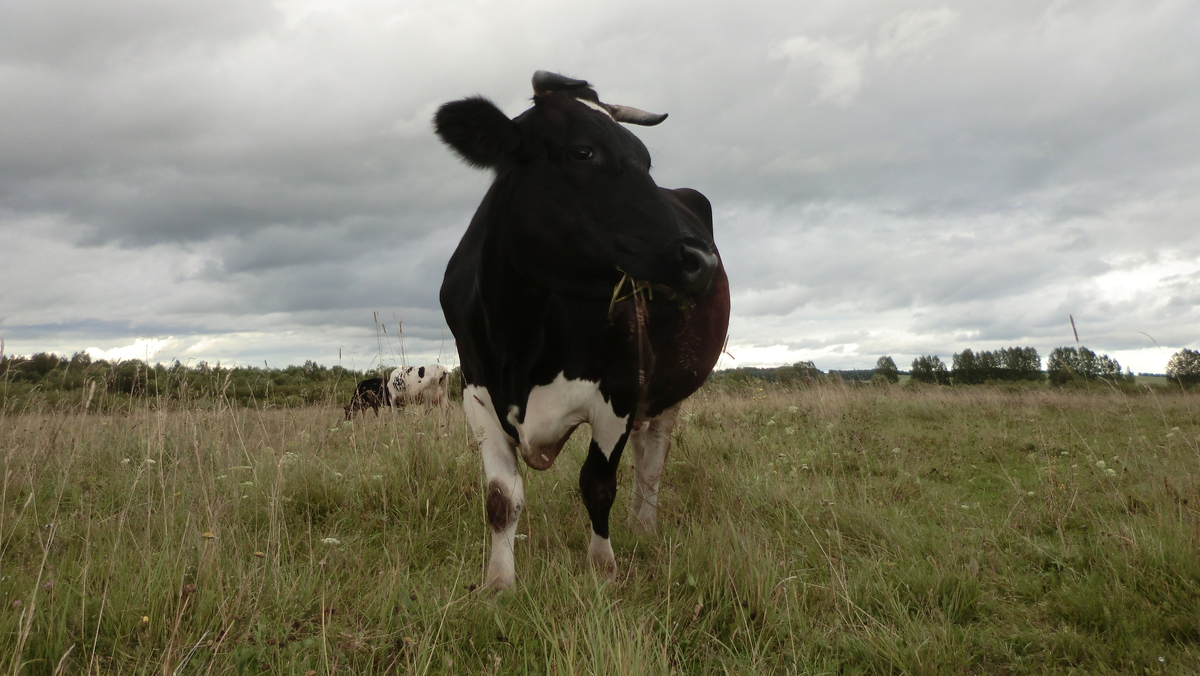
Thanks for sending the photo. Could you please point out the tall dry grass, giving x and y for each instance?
(824, 530)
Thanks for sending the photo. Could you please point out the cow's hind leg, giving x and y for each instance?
(649, 447)
(505, 492)
(598, 486)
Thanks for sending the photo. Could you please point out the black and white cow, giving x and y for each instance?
(411, 384)
(581, 292)
(370, 393)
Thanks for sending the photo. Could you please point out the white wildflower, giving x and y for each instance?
(289, 458)
(793, 409)
(125, 461)
(895, 450)
(770, 422)
(332, 542)
(247, 483)
(789, 431)
(1110, 471)
(377, 477)
(1099, 464)
(1030, 494)
(151, 461)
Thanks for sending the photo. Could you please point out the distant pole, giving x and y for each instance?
(1073, 329)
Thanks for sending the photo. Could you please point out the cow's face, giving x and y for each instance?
(574, 203)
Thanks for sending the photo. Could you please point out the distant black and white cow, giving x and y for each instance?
(411, 384)
(370, 393)
(581, 292)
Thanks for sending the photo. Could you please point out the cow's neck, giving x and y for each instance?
(538, 333)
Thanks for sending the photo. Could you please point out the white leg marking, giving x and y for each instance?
(600, 555)
(503, 479)
(649, 447)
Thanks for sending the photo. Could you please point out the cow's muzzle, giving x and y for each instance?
(698, 263)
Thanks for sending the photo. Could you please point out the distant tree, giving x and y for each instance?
(43, 363)
(989, 365)
(1020, 363)
(885, 369)
(1184, 367)
(1068, 363)
(965, 370)
(1108, 368)
(800, 372)
(930, 369)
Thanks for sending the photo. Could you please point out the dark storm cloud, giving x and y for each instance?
(904, 178)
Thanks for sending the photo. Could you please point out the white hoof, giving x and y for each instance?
(600, 555)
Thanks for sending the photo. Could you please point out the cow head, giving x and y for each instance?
(573, 206)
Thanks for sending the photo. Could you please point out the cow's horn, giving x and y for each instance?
(545, 81)
(633, 115)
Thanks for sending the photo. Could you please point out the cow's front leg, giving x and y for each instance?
(649, 447)
(598, 486)
(505, 493)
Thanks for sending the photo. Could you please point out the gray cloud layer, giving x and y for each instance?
(255, 179)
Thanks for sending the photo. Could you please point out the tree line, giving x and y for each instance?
(1012, 364)
(55, 381)
(1064, 365)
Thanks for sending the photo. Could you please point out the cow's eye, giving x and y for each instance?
(581, 153)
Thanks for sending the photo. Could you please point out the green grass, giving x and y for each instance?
(828, 530)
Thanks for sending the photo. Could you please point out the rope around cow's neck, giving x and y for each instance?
(641, 291)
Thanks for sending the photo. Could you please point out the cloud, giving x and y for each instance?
(909, 35)
(255, 180)
(838, 70)
(144, 349)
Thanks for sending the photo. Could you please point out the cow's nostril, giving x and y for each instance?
(691, 261)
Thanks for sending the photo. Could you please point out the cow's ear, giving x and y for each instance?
(478, 131)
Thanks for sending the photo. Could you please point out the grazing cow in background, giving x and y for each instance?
(411, 384)
(370, 393)
(580, 292)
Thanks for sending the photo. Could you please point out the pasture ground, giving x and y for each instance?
(826, 530)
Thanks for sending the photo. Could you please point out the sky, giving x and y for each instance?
(249, 182)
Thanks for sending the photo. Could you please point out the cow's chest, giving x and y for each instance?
(553, 411)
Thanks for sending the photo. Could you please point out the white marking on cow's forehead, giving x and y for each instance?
(597, 107)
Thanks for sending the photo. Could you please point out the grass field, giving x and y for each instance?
(825, 530)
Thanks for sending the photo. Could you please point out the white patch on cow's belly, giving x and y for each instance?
(553, 410)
